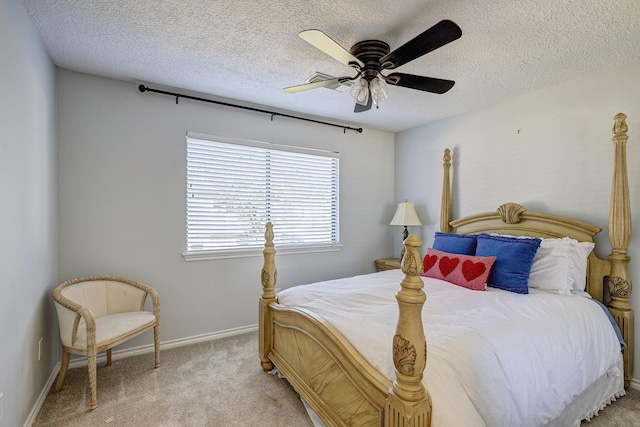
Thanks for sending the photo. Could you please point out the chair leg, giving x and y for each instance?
(109, 357)
(93, 381)
(156, 342)
(64, 364)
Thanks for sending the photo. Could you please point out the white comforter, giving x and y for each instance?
(494, 358)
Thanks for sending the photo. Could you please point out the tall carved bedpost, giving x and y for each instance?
(445, 204)
(408, 403)
(619, 282)
(269, 276)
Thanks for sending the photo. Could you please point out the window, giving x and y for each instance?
(234, 187)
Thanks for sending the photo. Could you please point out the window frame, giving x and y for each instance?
(225, 253)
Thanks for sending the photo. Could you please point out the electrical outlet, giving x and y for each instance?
(0, 406)
(40, 348)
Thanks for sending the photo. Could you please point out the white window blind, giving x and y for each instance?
(235, 187)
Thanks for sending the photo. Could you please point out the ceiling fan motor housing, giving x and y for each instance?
(370, 52)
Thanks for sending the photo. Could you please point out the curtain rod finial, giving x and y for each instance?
(142, 88)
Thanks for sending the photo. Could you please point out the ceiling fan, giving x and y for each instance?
(370, 57)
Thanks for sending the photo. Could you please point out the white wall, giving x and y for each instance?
(122, 160)
(28, 229)
(550, 150)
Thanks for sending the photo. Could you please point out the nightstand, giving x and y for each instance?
(388, 264)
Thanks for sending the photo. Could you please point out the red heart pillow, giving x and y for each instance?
(447, 265)
(471, 272)
(429, 261)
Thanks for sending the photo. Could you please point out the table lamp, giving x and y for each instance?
(405, 215)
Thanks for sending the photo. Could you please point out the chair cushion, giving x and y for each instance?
(115, 328)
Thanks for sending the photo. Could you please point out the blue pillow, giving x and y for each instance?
(461, 244)
(513, 264)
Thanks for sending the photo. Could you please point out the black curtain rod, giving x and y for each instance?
(144, 88)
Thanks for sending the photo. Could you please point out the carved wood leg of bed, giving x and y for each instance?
(268, 278)
(400, 413)
(620, 308)
(619, 281)
(264, 337)
(408, 403)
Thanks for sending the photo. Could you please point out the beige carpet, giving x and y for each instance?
(217, 383)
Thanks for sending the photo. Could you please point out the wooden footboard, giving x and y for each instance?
(325, 369)
(332, 377)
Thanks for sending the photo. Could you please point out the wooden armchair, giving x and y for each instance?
(97, 313)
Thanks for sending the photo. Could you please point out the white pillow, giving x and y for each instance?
(560, 265)
(579, 255)
(552, 267)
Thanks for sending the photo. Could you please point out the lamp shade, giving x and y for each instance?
(405, 215)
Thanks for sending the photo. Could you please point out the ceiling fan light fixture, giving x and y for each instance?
(360, 91)
(379, 90)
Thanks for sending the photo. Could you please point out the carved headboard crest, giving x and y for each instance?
(510, 212)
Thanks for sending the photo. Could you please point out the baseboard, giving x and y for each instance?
(121, 354)
(43, 395)
(635, 384)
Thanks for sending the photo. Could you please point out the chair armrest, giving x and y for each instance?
(80, 313)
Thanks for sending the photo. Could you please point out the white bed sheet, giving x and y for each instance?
(494, 358)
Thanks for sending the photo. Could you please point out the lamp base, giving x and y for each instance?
(405, 235)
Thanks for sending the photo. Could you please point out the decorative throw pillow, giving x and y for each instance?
(464, 244)
(513, 264)
(463, 270)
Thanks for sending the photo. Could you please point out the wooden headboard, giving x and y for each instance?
(603, 275)
(515, 220)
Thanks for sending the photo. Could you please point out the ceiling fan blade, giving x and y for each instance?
(359, 108)
(329, 46)
(314, 85)
(437, 36)
(427, 84)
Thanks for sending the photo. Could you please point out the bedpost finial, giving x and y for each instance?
(411, 262)
(447, 157)
(268, 235)
(620, 125)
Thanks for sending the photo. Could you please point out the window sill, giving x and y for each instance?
(247, 253)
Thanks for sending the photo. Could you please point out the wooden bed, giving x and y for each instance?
(344, 389)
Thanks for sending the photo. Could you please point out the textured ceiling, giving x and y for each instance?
(249, 50)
